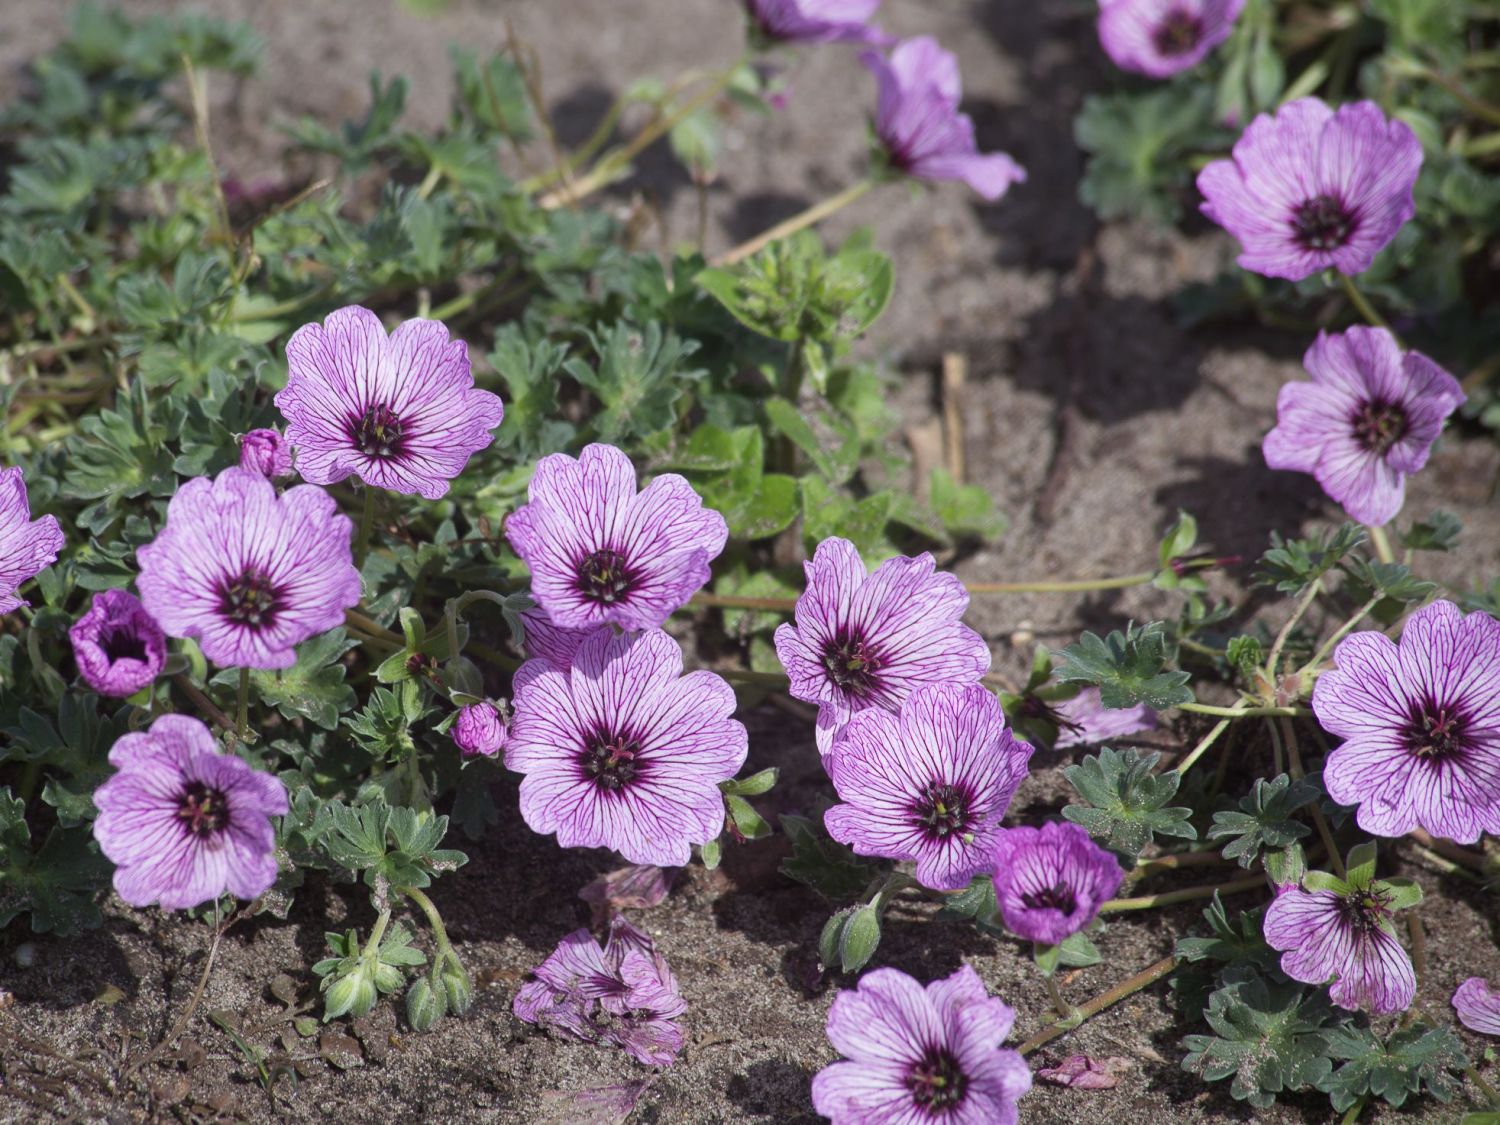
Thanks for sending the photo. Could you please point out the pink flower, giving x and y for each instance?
(1478, 1006)
(479, 729)
(1051, 881)
(267, 453)
(27, 546)
(815, 21)
(1159, 38)
(118, 646)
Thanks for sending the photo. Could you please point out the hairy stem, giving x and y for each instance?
(243, 722)
(434, 919)
(1238, 712)
(1146, 977)
(366, 520)
(1064, 1009)
(1203, 744)
(1273, 661)
(1381, 543)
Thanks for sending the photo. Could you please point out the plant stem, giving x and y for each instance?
(1064, 1009)
(434, 919)
(243, 723)
(814, 214)
(1343, 630)
(729, 601)
(1294, 760)
(1273, 671)
(1418, 944)
(1147, 976)
(366, 519)
(1241, 712)
(1362, 303)
(1381, 544)
(374, 628)
(1069, 587)
(202, 702)
(1489, 1091)
(1355, 1110)
(1175, 863)
(1203, 744)
(494, 656)
(1449, 850)
(745, 676)
(220, 928)
(1187, 894)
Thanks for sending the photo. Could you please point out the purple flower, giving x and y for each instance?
(266, 452)
(1311, 188)
(600, 552)
(119, 647)
(929, 785)
(27, 546)
(1085, 721)
(1367, 419)
(867, 640)
(918, 123)
(639, 886)
(1159, 38)
(1478, 1007)
(479, 729)
(622, 750)
(1420, 723)
(815, 21)
(915, 1054)
(248, 574)
(545, 641)
(1050, 881)
(399, 412)
(1345, 938)
(182, 822)
(622, 996)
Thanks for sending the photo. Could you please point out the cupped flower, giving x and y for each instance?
(601, 552)
(919, 125)
(915, 1054)
(815, 21)
(622, 750)
(118, 646)
(1085, 721)
(929, 784)
(623, 995)
(1478, 1006)
(1420, 723)
(545, 641)
(399, 412)
(1311, 188)
(182, 822)
(266, 452)
(479, 729)
(248, 574)
(1051, 881)
(1160, 38)
(1367, 420)
(865, 640)
(27, 546)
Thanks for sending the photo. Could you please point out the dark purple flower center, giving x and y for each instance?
(1322, 223)
(609, 760)
(118, 642)
(1361, 912)
(943, 810)
(852, 663)
(605, 577)
(1379, 425)
(936, 1082)
(251, 599)
(1435, 731)
(379, 433)
(203, 811)
(1178, 33)
(1056, 897)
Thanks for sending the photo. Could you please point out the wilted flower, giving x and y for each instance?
(929, 785)
(623, 995)
(918, 123)
(1312, 188)
(479, 729)
(182, 822)
(1083, 1072)
(119, 647)
(867, 640)
(622, 750)
(601, 552)
(399, 412)
(546, 641)
(1420, 723)
(1478, 1006)
(266, 452)
(635, 887)
(1051, 881)
(1366, 421)
(248, 574)
(815, 21)
(27, 546)
(914, 1054)
(1085, 721)
(1159, 38)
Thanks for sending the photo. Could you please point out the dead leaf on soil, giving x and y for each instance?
(1081, 1072)
(110, 995)
(339, 1049)
(600, 1105)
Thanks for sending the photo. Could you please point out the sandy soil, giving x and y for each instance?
(1091, 417)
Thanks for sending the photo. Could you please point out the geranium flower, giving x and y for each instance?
(928, 785)
(915, 1054)
(1051, 881)
(27, 546)
(184, 823)
(1366, 421)
(623, 995)
(1085, 721)
(479, 729)
(118, 646)
(1478, 1006)
(918, 123)
(1420, 723)
(1312, 188)
(622, 750)
(1159, 38)
(601, 552)
(546, 641)
(815, 21)
(868, 640)
(400, 412)
(248, 574)
(266, 452)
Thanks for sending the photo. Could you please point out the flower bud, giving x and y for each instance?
(480, 730)
(425, 1005)
(267, 453)
(353, 994)
(456, 983)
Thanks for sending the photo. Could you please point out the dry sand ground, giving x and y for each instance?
(1090, 416)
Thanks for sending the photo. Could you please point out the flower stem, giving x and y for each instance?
(366, 520)
(1342, 631)
(1241, 712)
(1187, 894)
(1294, 760)
(1203, 744)
(434, 919)
(1489, 1091)
(368, 625)
(202, 702)
(1274, 660)
(1355, 1110)
(745, 676)
(814, 214)
(1449, 850)
(1175, 863)
(729, 601)
(1362, 303)
(1381, 544)
(1064, 1009)
(220, 928)
(1147, 976)
(1069, 587)
(243, 722)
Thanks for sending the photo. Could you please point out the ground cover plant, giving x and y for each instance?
(352, 518)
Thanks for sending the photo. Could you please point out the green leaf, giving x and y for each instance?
(1292, 565)
(1129, 802)
(58, 884)
(1265, 820)
(313, 688)
(1237, 942)
(820, 862)
(712, 853)
(1046, 957)
(638, 378)
(1128, 668)
(751, 825)
(1399, 892)
(1138, 146)
(1411, 1060)
(1359, 865)
(1077, 951)
(1439, 532)
(965, 510)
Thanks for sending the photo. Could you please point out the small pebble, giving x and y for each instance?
(26, 954)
